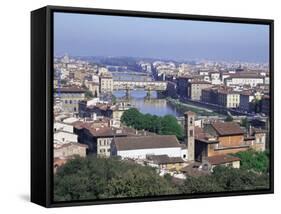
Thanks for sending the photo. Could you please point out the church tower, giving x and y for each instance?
(189, 134)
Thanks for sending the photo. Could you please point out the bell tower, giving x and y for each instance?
(189, 134)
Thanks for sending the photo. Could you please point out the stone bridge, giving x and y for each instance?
(146, 85)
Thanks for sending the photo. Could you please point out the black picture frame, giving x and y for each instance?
(42, 102)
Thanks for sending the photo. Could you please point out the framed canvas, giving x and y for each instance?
(130, 106)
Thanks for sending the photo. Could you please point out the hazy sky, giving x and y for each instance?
(99, 35)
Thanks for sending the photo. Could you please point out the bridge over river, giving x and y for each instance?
(134, 85)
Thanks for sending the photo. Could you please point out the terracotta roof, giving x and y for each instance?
(193, 170)
(222, 159)
(146, 142)
(204, 136)
(165, 159)
(107, 132)
(227, 128)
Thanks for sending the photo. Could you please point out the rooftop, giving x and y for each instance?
(165, 159)
(147, 142)
(222, 159)
(227, 128)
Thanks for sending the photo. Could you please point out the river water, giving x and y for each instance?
(138, 99)
(152, 105)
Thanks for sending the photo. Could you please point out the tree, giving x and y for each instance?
(228, 118)
(113, 99)
(225, 179)
(253, 160)
(98, 178)
(232, 179)
(131, 117)
(170, 126)
(202, 184)
(89, 94)
(166, 125)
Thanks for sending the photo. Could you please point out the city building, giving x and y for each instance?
(164, 162)
(142, 146)
(246, 98)
(244, 79)
(228, 98)
(94, 87)
(106, 83)
(99, 139)
(171, 90)
(70, 150)
(69, 98)
(63, 137)
(195, 87)
(182, 83)
(215, 77)
(223, 160)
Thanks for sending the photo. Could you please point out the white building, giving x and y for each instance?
(61, 126)
(65, 137)
(215, 78)
(244, 79)
(140, 147)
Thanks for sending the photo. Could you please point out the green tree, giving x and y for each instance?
(202, 184)
(113, 99)
(228, 118)
(89, 94)
(254, 160)
(166, 125)
(232, 179)
(97, 178)
(170, 126)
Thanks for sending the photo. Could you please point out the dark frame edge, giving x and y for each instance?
(39, 106)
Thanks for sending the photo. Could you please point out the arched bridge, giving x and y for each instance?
(146, 85)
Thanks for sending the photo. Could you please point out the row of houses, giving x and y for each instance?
(212, 144)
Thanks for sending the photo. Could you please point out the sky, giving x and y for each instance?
(100, 35)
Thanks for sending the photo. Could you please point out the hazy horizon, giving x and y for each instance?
(116, 36)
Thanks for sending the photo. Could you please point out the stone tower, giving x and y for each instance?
(189, 133)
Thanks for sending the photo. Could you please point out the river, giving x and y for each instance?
(153, 105)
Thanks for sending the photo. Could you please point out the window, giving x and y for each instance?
(191, 121)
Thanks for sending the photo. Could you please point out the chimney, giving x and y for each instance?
(189, 134)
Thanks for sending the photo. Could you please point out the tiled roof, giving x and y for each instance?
(222, 159)
(146, 142)
(202, 136)
(227, 128)
(165, 159)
